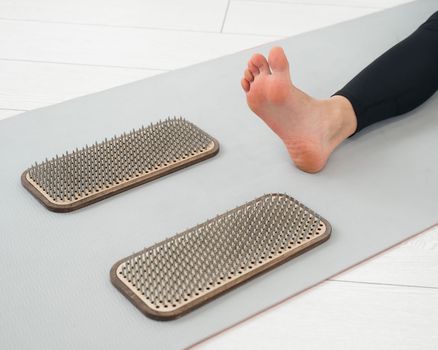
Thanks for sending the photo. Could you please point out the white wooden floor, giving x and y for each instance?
(53, 50)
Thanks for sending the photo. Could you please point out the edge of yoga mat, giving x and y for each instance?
(58, 294)
(309, 287)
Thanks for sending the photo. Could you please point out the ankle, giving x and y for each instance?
(343, 117)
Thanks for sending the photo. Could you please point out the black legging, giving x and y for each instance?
(399, 80)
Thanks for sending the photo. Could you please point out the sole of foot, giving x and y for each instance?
(310, 128)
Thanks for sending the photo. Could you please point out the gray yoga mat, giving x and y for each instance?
(379, 188)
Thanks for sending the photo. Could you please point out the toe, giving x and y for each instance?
(245, 84)
(277, 60)
(248, 75)
(261, 63)
(253, 68)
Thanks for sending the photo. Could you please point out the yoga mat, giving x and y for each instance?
(379, 188)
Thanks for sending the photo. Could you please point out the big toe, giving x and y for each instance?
(277, 60)
(261, 63)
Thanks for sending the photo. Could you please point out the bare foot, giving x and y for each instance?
(311, 129)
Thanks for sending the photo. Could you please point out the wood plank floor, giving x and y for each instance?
(51, 51)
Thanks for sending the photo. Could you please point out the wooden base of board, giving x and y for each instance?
(191, 259)
(97, 194)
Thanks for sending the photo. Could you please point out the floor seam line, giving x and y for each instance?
(125, 26)
(85, 64)
(384, 284)
(106, 25)
(225, 16)
(13, 109)
(314, 4)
